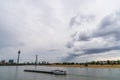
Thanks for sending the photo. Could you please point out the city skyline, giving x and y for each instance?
(60, 30)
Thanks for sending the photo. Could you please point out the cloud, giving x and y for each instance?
(108, 30)
(31, 26)
(70, 44)
(83, 37)
(53, 50)
(109, 27)
(81, 19)
(100, 50)
(79, 53)
(71, 56)
(8, 38)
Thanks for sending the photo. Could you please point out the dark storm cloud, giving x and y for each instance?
(83, 37)
(73, 55)
(100, 50)
(108, 27)
(79, 20)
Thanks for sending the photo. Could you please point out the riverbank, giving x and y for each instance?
(88, 66)
(75, 66)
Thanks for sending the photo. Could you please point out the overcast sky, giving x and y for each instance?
(60, 30)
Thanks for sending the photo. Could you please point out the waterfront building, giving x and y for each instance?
(3, 62)
(11, 61)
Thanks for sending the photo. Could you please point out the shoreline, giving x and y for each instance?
(74, 66)
(83, 66)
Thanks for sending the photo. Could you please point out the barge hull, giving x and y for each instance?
(48, 72)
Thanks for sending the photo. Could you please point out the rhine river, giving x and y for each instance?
(17, 73)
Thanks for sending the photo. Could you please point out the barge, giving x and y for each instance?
(56, 72)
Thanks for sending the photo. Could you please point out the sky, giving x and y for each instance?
(60, 30)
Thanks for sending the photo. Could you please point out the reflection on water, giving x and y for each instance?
(17, 73)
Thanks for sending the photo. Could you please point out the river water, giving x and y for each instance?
(17, 73)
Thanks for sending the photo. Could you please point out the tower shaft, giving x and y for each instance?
(36, 59)
(18, 57)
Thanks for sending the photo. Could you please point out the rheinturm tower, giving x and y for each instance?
(18, 56)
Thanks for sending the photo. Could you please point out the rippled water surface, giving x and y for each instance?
(17, 73)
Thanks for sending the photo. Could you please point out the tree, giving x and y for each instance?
(108, 62)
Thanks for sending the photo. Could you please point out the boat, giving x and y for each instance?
(55, 72)
(58, 72)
